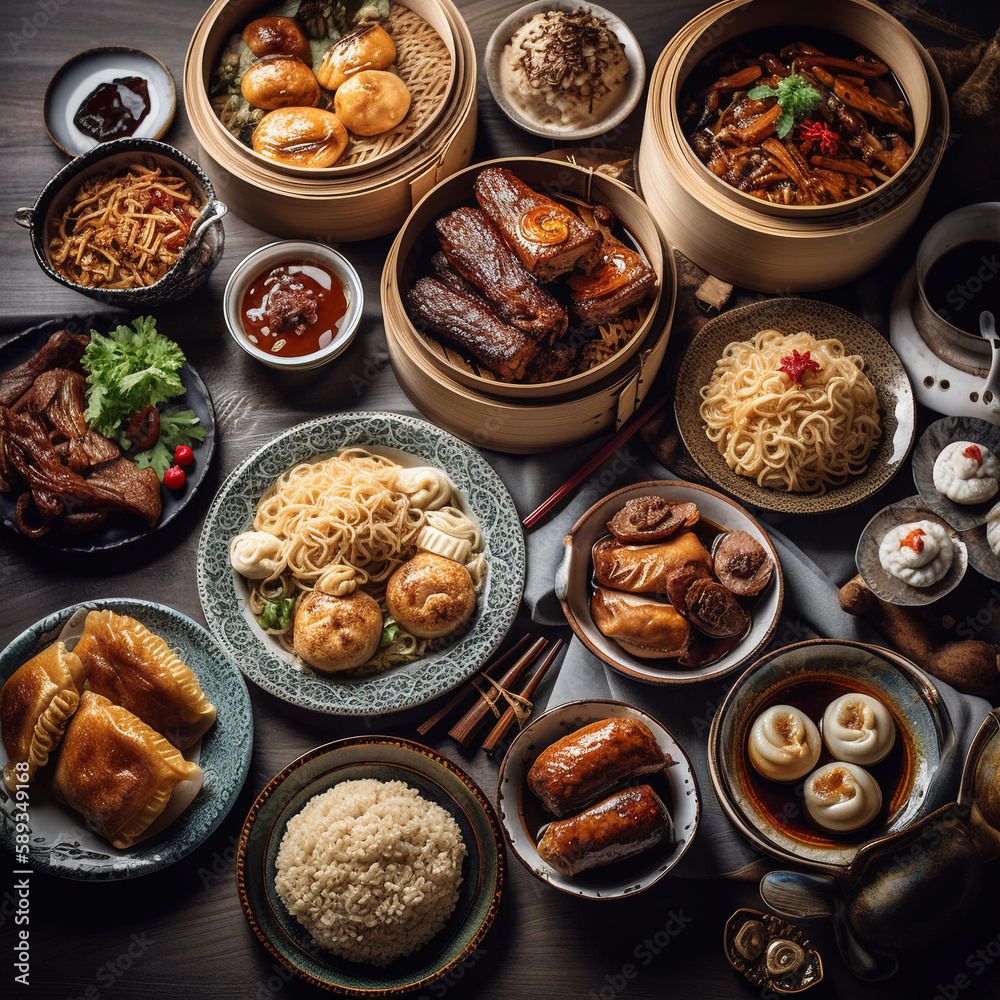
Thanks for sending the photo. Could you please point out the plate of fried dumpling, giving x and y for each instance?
(126, 736)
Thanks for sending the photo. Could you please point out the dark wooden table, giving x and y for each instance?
(181, 932)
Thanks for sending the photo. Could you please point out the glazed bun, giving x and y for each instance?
(300, 137)
(269, 35)
(430, 596)
(369, 46)
(371, 102)
(337, 633)
(280, 81)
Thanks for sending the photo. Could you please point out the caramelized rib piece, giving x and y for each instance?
(548, 238)
(622, 279)
(466, 322)
(477, 251)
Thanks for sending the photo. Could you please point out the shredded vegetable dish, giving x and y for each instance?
(123, 231)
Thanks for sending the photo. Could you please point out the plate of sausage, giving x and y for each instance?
(597, 799)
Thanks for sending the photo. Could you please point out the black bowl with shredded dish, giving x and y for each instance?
(195, 262)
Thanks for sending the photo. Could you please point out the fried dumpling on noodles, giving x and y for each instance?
(136, 669)
(124, 778)
(36, 704)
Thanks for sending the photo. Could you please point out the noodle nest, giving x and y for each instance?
(794, 437)
(347, 522)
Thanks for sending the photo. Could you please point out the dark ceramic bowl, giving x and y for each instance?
(385, 758)
(200, 254)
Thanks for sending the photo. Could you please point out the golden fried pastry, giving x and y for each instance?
(119, 774)
(371, 102)
(277, 35)
(136, 669)
(430, 595)
(368, 46)
(337, 633)
(36, 704)
(279, 81)
(301, 137)
(641, 625)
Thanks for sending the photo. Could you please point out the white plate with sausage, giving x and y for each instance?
(612, 762)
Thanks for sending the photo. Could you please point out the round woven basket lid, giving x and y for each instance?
(857, 20)
(430, 36)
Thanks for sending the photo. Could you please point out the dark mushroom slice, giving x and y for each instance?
(742, 564)
(651, 519)
(714, 609)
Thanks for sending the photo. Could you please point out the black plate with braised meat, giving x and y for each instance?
(119, 528)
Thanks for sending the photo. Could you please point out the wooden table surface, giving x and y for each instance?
(181, 932)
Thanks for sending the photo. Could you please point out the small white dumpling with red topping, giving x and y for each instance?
(966, 472)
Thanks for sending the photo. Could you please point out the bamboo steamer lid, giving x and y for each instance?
(532, 418)
(780, 248)
(416, 242)
(358, 201)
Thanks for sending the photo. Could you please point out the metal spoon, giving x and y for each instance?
(987, 327)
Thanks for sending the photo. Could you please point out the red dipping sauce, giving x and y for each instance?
(293, 309)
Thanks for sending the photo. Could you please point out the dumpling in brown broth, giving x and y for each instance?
(136, 669)
(36, 704)
(119, 774)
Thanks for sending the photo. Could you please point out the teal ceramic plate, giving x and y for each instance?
(61, 843)
(261, 658)
(385, 758)
(809, 675)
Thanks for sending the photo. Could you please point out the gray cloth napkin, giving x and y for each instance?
(811, 609)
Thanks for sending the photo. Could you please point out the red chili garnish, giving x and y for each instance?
(973, 452)
(914, 540)
(795, 364)
(174, 477)
(819, 132)
(183, 455)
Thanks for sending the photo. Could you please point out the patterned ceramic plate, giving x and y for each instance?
(385, 758)
(882, 366)
(962, 517)
(61, 843)
(261, 658)
(809, 675)
(523, 817)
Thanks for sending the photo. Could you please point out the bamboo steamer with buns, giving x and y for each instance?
(526, 418)
(771, 247)
(376, 182)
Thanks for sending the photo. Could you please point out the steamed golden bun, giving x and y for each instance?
(369, 46)
(301, 137)
(279, 81)
(337, 633)
(371, 102)
(430, 595)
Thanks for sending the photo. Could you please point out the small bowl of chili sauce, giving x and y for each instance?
(294, 305)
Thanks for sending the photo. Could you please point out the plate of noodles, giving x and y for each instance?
(361, 564)
(794, 405)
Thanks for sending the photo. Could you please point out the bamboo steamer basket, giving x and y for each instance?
(355, 201)
(417, 242)
(525, 419)
(773, 248)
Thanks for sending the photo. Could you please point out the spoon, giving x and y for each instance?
(987, 327)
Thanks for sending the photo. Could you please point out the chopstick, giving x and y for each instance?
(469, 687)
(500, 729)
(610, 448)
(466, 726)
